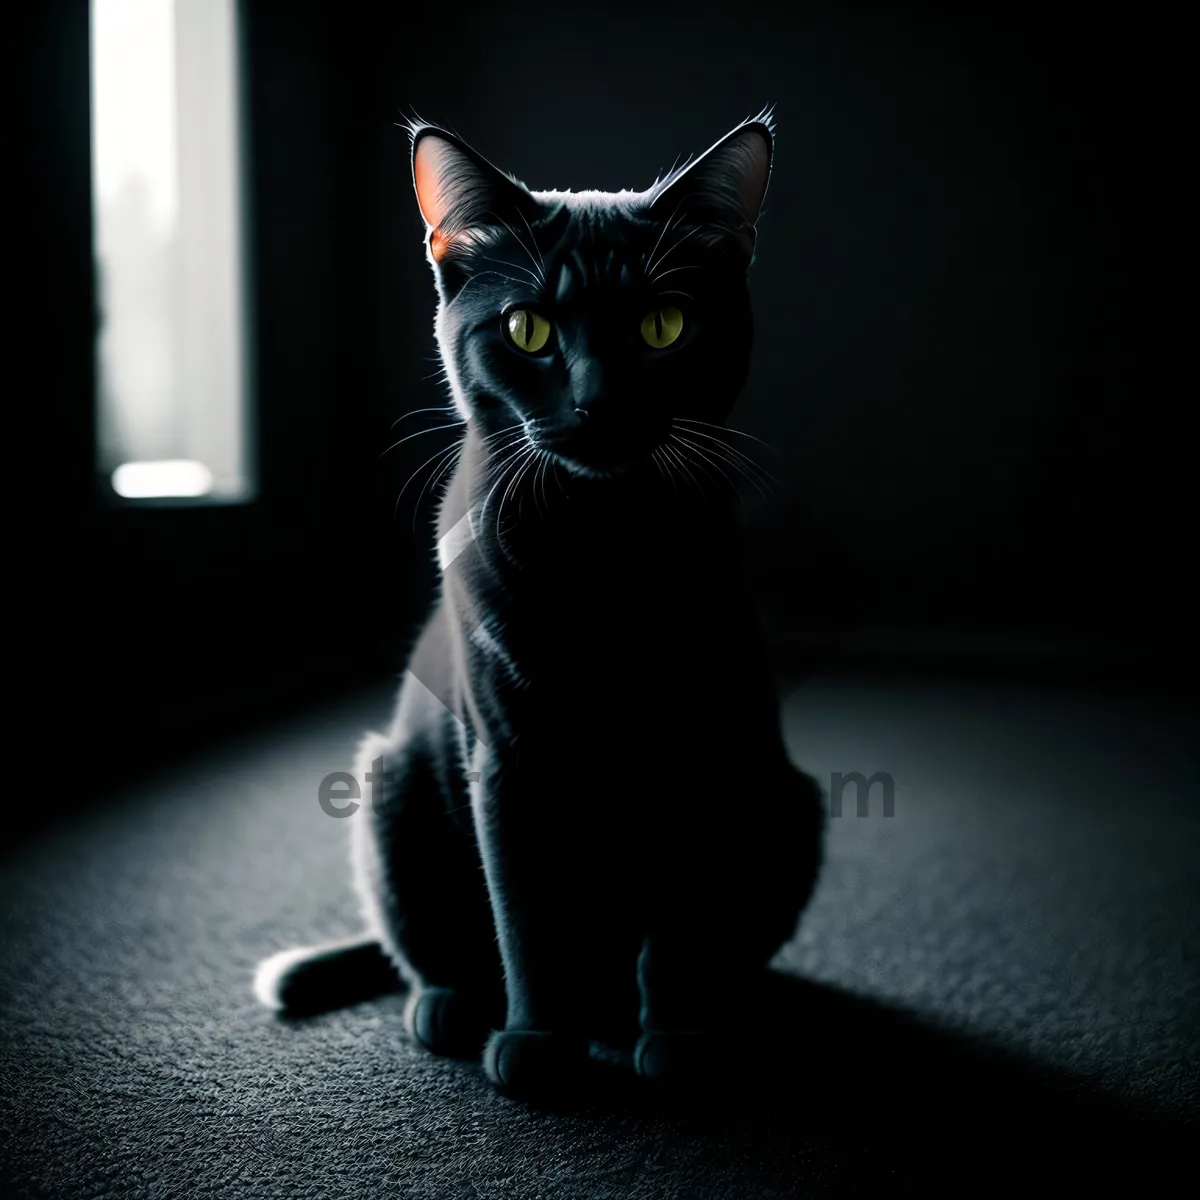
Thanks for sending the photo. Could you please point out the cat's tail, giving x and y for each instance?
(319, 978)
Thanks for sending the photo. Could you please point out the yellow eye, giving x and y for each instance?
(662, 326)
(530, 331)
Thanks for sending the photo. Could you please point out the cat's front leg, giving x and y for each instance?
(563, 920)
(735, 877)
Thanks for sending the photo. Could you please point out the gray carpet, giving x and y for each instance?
(997, 986)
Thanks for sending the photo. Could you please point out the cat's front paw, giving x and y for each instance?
(532, 1064)
(446, 1022)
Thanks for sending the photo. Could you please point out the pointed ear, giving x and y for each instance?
(725, 186)
(460, 193)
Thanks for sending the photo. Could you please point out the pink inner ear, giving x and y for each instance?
(428, 164)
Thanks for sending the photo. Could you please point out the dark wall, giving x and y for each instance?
(969, 296)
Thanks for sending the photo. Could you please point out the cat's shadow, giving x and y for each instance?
(833, 1093)
(877, 1090)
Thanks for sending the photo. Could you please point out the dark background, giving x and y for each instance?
(970, 296)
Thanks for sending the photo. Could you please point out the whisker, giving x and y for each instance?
(725, 429)
(674, 452)
(529, 456)
(483, 275)
(530, 464)
(668, 471)
(657, 465)
(513, 456)
(735, 451)
(732, 462)
(716, 460)
(712, 462)
(415, 411)
(540, 477)
(431, 458)
(724, 445)
(533, 275)
(521, 244)
(447, 466)
(672, 270)
(675, 246)
(488, 442)
(449, 455)
(498, 456)
(533, 241)
(679, 242)
(498, 452)
(421, 433)
(661, 234)
(488, 437)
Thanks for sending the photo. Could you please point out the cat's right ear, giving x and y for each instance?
(460, 194)
(724, 187)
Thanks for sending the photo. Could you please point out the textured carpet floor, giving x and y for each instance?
(997, 986)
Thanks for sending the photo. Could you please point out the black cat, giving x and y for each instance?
(585, 829)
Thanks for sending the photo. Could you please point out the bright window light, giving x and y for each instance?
(143, 480)
(171, 352)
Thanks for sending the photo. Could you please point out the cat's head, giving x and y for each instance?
(586, 322)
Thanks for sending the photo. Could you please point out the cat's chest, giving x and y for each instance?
(603, 649)
(598, 672)
(616, 609)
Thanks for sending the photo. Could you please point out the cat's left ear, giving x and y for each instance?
(460, 194)
(724, 188)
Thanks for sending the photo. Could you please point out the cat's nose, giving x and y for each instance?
(592, 420)
(587, 390)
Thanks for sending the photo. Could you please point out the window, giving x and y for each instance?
(172, 402)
